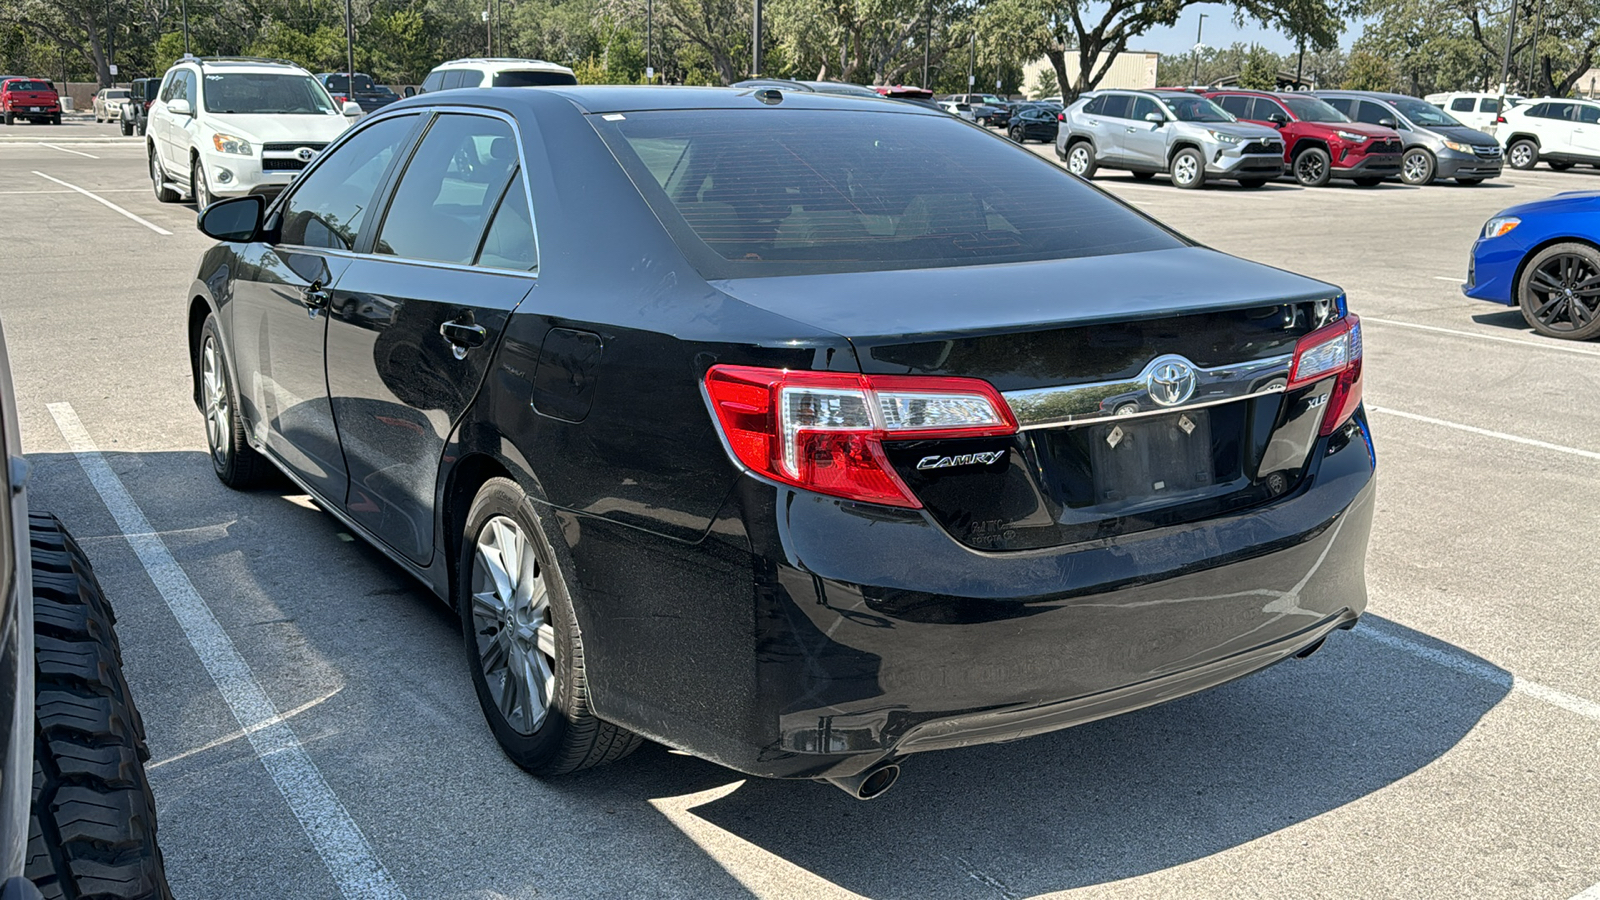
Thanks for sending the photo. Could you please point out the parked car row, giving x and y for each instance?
(1253, 137)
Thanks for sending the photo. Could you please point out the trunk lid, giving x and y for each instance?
(1150, 387)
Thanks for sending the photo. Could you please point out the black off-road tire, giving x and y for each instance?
(93, 828)
(571, 737)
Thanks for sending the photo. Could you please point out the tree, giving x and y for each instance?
(1260, 70)
(78, 26)
(1369, 71)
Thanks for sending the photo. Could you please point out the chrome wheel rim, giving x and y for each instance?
(214, 387)
(516, 639)
(1566, 293)
(1309, 167)
(1184, 169)
(1416, 167)
(155, 171)
(1521, 155)
(197, 187)
(1078, 160)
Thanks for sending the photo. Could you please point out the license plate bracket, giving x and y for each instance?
(1157, 456)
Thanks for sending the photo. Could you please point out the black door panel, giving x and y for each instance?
(397, 386)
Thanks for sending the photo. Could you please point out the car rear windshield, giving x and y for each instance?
(27, 86)
(783, 192)
(342, 83)
(1310, 109)
(259, 93)
(533, 78)
(117, 95)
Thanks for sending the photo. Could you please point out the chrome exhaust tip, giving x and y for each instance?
(870, 784)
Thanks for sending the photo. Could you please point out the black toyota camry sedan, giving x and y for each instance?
(801, 432)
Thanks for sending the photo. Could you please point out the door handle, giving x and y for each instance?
(463, 335)
(314, 298)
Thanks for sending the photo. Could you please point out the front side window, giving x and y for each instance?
(434, 82)
(1310, 109)
(1374, 114)
(779, 192)
(449, 190)
(330, 203)
(1194, 108)
(266, 93)
(1461, 104)
(1589, 115)
(1144, 106)
(1559, 110)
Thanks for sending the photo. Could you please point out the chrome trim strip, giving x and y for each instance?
(1082, 404)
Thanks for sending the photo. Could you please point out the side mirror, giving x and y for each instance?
(237, 220)
(410, 91)
(1388, 122)
(1278, 119)
(180, 108)
(1155, 117)
(352, 109)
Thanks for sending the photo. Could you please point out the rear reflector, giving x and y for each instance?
(1331, 351)
(824, 431)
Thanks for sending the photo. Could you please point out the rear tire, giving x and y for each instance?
(158, 181)
(92, 831)
(11, 119)
(236, 463)
(1189, 169)
(1081, 161)
(525, 653)
(1142, 176)
(1313, 167)
(1469, 182)
(1018, 135)
(1559, 166)
(1252, 183)
(1523, 154)
(127, 128)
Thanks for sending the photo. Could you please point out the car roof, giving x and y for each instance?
(501, 62)
(645, 98)
(245, 64)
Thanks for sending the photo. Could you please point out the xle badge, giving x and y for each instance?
(961, 459)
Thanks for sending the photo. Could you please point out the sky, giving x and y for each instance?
(1220, 32)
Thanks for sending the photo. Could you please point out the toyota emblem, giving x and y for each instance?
(1170, 380)
(304, 154)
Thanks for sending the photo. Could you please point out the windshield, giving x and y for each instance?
(532, 79)
(1310, 109)
(258, 93)
(790, 192)
(1421, 113)
(1192, 108)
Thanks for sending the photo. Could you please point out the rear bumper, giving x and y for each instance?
(1372, 165)
(806, 636)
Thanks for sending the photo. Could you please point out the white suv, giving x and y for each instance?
(226, 127)
(1473, 109)
(1560, 132)
(481, 72)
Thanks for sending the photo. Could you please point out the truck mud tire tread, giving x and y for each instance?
(92, 833)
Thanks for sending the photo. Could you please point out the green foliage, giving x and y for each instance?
(1369, 71)
(1260, 70)
(1045, 85)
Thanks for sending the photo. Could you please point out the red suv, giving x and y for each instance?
(1319, 142)
(31, 99)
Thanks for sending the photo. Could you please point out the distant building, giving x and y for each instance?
(1131, 69)
(1588, 85)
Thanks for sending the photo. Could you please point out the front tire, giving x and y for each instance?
(1417, 167)
(1313, 167)
(1559, 292)
(158, 181)
(1469, 182)
(127, 128)
(1189, 169)
(199, 191)
(524, 648)
(1524, 154)
(236, 463)
(1081, 161)
(92, 831)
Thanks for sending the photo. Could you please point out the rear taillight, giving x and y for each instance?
(1498, 120)
(1061, 117)
(1331, 351)
(824, 431)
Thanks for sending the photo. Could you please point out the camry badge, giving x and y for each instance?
(960, 459)
(1170, 380)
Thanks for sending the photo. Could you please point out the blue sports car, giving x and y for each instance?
(1543, 256)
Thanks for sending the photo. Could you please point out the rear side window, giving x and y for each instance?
(329, 205)
(509, 243)
(532, 79)
(1461, 104)
(449, 190)
(1538, 110)
(778, 192)
(1096, 106)
(1239, 106)
(1116, 106)
(1489, 104)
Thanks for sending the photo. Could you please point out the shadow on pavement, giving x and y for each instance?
(1510, 318)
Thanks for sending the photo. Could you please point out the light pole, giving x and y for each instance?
(1199, 29)
(755, 43)
(927, 40)
(972, 60)
(1505, 61)
(649, 41)
(185, 5)
(349, 52)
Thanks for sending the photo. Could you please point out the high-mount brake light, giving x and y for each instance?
(1331, 351)
(824, 431)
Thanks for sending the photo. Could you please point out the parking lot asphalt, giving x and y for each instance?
(1445, 748)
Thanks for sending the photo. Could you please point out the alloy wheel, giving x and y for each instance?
(1566, 293)
(516, 639)
(219, 410)
(1309, 167)
(1522, 155)
(1183, 171)
(1416, 167)
(1078, 160)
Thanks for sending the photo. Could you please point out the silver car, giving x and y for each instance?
(1183, 134)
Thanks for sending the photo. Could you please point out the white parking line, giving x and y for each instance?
(1591, 894)
(65, 150)
(1455, 278)
(1559, 348)
(102, 190)
(99, 199)
(1498, 435)
(336, 837)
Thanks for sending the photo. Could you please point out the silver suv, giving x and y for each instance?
(1176, 132)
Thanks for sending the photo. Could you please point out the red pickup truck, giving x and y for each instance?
(31, 99)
